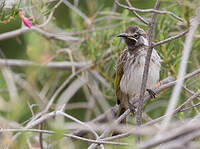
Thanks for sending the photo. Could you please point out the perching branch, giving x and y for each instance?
(179, 109)
(165, 84)
(146, 67)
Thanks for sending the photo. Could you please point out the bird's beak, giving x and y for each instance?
(122, 35)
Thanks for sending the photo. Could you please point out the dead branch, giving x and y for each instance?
(182, 70)
(170, 39)
(52, 65)
(146, 66)
(149, 11)
(47, 35)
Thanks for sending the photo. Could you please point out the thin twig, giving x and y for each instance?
(9, 79)
(170, 39)
(52, 65)
(107, 131)
(51, 14)
(100, 119)
(136, 14)
(48, 35)
(63, 85)
(30, 90)
(178, 132)
(191, 107)
(78, 121)
(75, 9)
(47, 116)
(149, 10)
(65, 135)
(56, 94)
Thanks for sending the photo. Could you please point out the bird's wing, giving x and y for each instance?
(119, 73)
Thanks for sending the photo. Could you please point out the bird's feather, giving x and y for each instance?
(121, 97)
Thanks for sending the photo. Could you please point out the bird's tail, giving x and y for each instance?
(121, 110)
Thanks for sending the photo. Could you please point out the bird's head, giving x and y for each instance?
(134, 37)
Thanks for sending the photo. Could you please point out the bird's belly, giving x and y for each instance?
(132, 79)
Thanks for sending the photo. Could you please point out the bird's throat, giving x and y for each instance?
(133, 49)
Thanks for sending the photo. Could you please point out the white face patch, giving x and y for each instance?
(145, 41)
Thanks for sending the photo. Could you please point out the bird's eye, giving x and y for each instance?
(135, 36)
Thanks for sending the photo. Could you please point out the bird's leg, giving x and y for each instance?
(130, 105)
(151, 93)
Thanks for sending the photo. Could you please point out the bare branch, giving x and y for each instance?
(182, 70)
(175, 111)
(107, 131)
(78, 121)
(30, 90)
(136, 14)
(191, 107)
(75, 9)
(52, 65)
(146, 67)
(170, 39)
(149, 10)
(173, 134)
(100, 119)
(158, 119)
(48, 35)
(166, 84)
(9, 78)
(51, 14)
(62, 86)
(14, 33)
(65, 135)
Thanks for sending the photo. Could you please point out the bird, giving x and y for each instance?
(130, 66)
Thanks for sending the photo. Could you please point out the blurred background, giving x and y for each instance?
(84, 32)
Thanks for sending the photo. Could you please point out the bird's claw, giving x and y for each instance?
(151, 93)
(131, 106)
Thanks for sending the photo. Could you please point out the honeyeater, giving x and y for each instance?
(130, 67)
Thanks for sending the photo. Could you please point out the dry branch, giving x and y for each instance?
(55, 36)
(179, 109)
(65, 135)
(52, 65)
(146, 67)
(182, 70)
(173, 134)
(108, 130)
(170, 39)
(113, 111)
(136, 14)
(149, 11)
(167, 83)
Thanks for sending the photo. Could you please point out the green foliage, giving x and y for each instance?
(8, 15)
